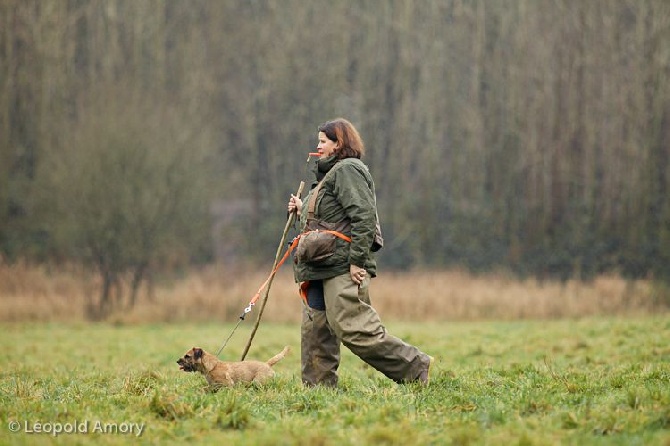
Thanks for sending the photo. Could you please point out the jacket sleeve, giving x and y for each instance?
(354, 189)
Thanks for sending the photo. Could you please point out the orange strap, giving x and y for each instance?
(253, 300)
(346, 238)
(294, 244)
(302, 290)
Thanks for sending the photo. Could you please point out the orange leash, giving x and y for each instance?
(290, 249)
(253, 300)
(303, 285)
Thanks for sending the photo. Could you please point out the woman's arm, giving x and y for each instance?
(354, 190)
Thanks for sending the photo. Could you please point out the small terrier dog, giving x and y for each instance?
(219, 373)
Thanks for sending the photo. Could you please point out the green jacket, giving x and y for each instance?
(348, 193)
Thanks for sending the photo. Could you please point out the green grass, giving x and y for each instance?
(595, 381)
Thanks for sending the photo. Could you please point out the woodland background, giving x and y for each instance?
(140, 137)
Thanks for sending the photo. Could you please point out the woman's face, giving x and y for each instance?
(326, 146)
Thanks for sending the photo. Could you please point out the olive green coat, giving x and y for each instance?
(347, 194)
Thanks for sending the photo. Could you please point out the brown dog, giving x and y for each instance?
(219, 373)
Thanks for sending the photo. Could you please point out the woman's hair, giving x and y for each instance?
(346, 136)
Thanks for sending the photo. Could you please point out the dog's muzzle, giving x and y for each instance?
(186, 365)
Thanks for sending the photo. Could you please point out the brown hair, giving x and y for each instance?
(346, 136)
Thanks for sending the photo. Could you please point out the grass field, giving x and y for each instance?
(579, 381)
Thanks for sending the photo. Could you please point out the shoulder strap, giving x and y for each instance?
(311, 204)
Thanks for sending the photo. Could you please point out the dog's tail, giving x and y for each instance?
(278, 357)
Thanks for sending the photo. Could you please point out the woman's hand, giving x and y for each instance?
(357, 274)
(294, 205)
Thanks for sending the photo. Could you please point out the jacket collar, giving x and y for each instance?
(323, 165)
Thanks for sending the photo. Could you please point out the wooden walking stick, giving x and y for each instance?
(280, 248)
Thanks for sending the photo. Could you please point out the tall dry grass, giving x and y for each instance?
(40, 293)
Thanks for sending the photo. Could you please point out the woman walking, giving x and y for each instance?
(336, 280)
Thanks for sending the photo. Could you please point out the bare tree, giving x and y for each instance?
(130, 191)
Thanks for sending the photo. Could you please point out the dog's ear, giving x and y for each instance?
(197, 353)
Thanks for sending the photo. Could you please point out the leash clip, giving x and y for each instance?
(246, 311)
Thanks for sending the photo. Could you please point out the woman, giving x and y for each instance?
(338, 304)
